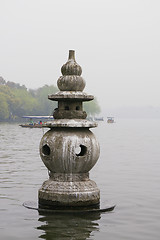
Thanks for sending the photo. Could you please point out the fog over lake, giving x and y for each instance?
(116, 43)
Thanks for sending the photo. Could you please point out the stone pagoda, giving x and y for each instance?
(69, 149)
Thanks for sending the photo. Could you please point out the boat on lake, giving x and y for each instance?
(36, 121)
(98, 119)
(110, 120)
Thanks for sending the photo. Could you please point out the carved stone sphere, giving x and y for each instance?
(67, 150)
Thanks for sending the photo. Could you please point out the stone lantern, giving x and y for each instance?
(69, 149)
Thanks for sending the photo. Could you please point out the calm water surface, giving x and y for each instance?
(127, 173)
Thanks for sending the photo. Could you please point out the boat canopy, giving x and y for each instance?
(38, 117)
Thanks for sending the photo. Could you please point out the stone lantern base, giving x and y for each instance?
(56, 193)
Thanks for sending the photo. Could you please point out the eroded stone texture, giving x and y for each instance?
(71, 194)
(71, 83)
(70, 123)
(71, 67)
(65, 114)
(69, 149)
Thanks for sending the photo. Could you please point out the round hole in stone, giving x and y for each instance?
(46, 150)
(77, 108)
(81, 150)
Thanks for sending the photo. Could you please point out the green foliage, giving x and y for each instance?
(92, 108)
(4, 110)
(16, 101)
(27, 103)
(9, 103)
(45, 107)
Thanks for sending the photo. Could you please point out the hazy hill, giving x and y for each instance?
(17, 100)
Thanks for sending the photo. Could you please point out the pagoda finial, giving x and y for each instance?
(71, 67)
(71, 55)
(71, 79)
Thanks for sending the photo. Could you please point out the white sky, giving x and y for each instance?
(117, 44)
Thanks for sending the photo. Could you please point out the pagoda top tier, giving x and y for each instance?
(69, 112)
(71, 84)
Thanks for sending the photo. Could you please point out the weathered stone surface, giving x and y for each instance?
(70, 123)
(71, 67)
(69, 194)
(65, 114)
(69, 150)
(70, 96)
(69, 177)
(71, 83)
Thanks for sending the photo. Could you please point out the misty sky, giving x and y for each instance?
(117, 44)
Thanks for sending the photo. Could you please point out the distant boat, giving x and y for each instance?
(98, 119)
(110, 120)
(33, 123)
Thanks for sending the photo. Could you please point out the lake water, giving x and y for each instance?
(127, 173)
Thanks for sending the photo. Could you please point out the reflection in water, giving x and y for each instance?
(69, 226)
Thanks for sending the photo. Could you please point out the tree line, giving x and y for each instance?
(17, 101)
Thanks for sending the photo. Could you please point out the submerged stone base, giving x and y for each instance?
(56, 194)
(103, 207)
